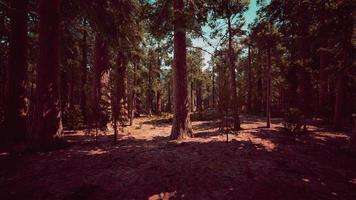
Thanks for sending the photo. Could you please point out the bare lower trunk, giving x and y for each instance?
(16, 102)
(47, 125)
(181, 127)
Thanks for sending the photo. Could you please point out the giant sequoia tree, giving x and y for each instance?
(47, 123)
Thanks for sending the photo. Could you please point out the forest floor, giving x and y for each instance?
(256, 163)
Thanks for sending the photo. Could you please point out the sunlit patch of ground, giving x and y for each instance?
(255, 163)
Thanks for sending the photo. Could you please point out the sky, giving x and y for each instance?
(249, 16)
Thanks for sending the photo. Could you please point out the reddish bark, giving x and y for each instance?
(181, 127)
(16, 102)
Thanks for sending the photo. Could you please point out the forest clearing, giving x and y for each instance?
(256, 163)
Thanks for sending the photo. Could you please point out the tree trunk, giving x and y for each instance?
(234, 104)
(47, 120)
(181, 127)
(268, 95)
(16, 108)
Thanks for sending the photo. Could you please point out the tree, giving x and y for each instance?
(181, 127)
(47, 119)
(16, 108)
(230, 11)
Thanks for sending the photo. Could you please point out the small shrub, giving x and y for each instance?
(293, 120)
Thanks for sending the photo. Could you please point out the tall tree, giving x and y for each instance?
(181, 127)
(229, 11)
(47, 123)
(16, 102)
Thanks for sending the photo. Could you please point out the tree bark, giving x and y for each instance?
(181, 127)
(16, 108)
(48, 120)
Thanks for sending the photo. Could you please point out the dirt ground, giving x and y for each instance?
(256, 163)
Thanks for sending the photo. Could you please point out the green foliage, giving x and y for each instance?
(293, 120)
